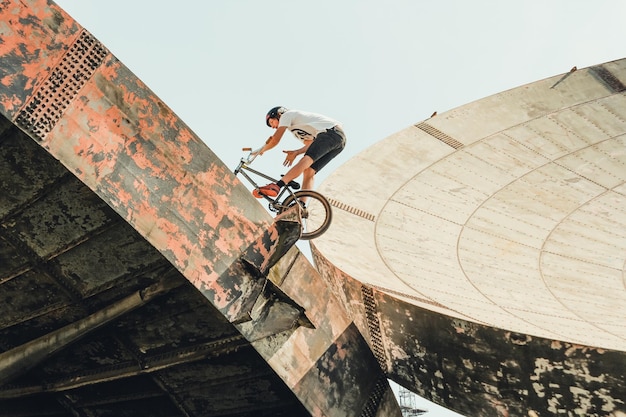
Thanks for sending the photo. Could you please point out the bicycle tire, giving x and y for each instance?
(317, 213)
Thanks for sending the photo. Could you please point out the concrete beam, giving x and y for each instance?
(21, 359)
(83, 106)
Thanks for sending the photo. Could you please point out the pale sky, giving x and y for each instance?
(376, 66)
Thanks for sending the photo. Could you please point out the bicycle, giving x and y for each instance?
(316, 211)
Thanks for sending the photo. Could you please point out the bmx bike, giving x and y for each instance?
(316, 213)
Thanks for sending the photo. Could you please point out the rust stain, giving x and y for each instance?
(30, 39)
(129, 147)
(125, 144)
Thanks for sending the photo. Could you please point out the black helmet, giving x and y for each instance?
(274, 113)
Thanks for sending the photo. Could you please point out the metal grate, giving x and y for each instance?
(373, 325)
(607, 78)
(376, 397)
(352, 210)
(46, 106)
(438, 134)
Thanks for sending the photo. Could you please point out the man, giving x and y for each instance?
(322, 138)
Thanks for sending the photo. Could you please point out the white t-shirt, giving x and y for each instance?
(305, 125)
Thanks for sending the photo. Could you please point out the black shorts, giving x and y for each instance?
(325, 147)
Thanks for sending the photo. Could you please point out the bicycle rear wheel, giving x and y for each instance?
(316, 212)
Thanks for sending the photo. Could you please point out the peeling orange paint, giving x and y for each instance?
(31, 38)
(129, 148)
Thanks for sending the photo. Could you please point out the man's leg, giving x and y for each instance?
(308, 178)
(324, 148)
(303, 164)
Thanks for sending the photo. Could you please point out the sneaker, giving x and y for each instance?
(269, 190)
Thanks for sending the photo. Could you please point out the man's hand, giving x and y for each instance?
(261, 150)
(291, 156)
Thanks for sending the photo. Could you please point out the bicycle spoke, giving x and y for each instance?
(314, 215)
(316, 212)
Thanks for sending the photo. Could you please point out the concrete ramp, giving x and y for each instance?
(482, 251)
(138, 276)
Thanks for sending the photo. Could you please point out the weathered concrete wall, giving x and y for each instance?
(480, 370)
(485, 259)
(71, 95)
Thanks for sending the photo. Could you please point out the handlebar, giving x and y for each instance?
(252, 154)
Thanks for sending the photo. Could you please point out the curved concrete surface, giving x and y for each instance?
(509, 211)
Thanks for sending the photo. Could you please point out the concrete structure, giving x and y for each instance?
(482, 266)
(483, 250)
(138, 276)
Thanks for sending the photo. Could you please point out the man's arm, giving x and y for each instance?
(273, 140)
(291, 155)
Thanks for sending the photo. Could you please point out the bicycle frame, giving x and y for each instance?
(315, 210)
(243, 168)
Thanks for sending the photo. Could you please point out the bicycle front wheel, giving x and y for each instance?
(316, 212)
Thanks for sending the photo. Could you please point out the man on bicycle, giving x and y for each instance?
(323, 139)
